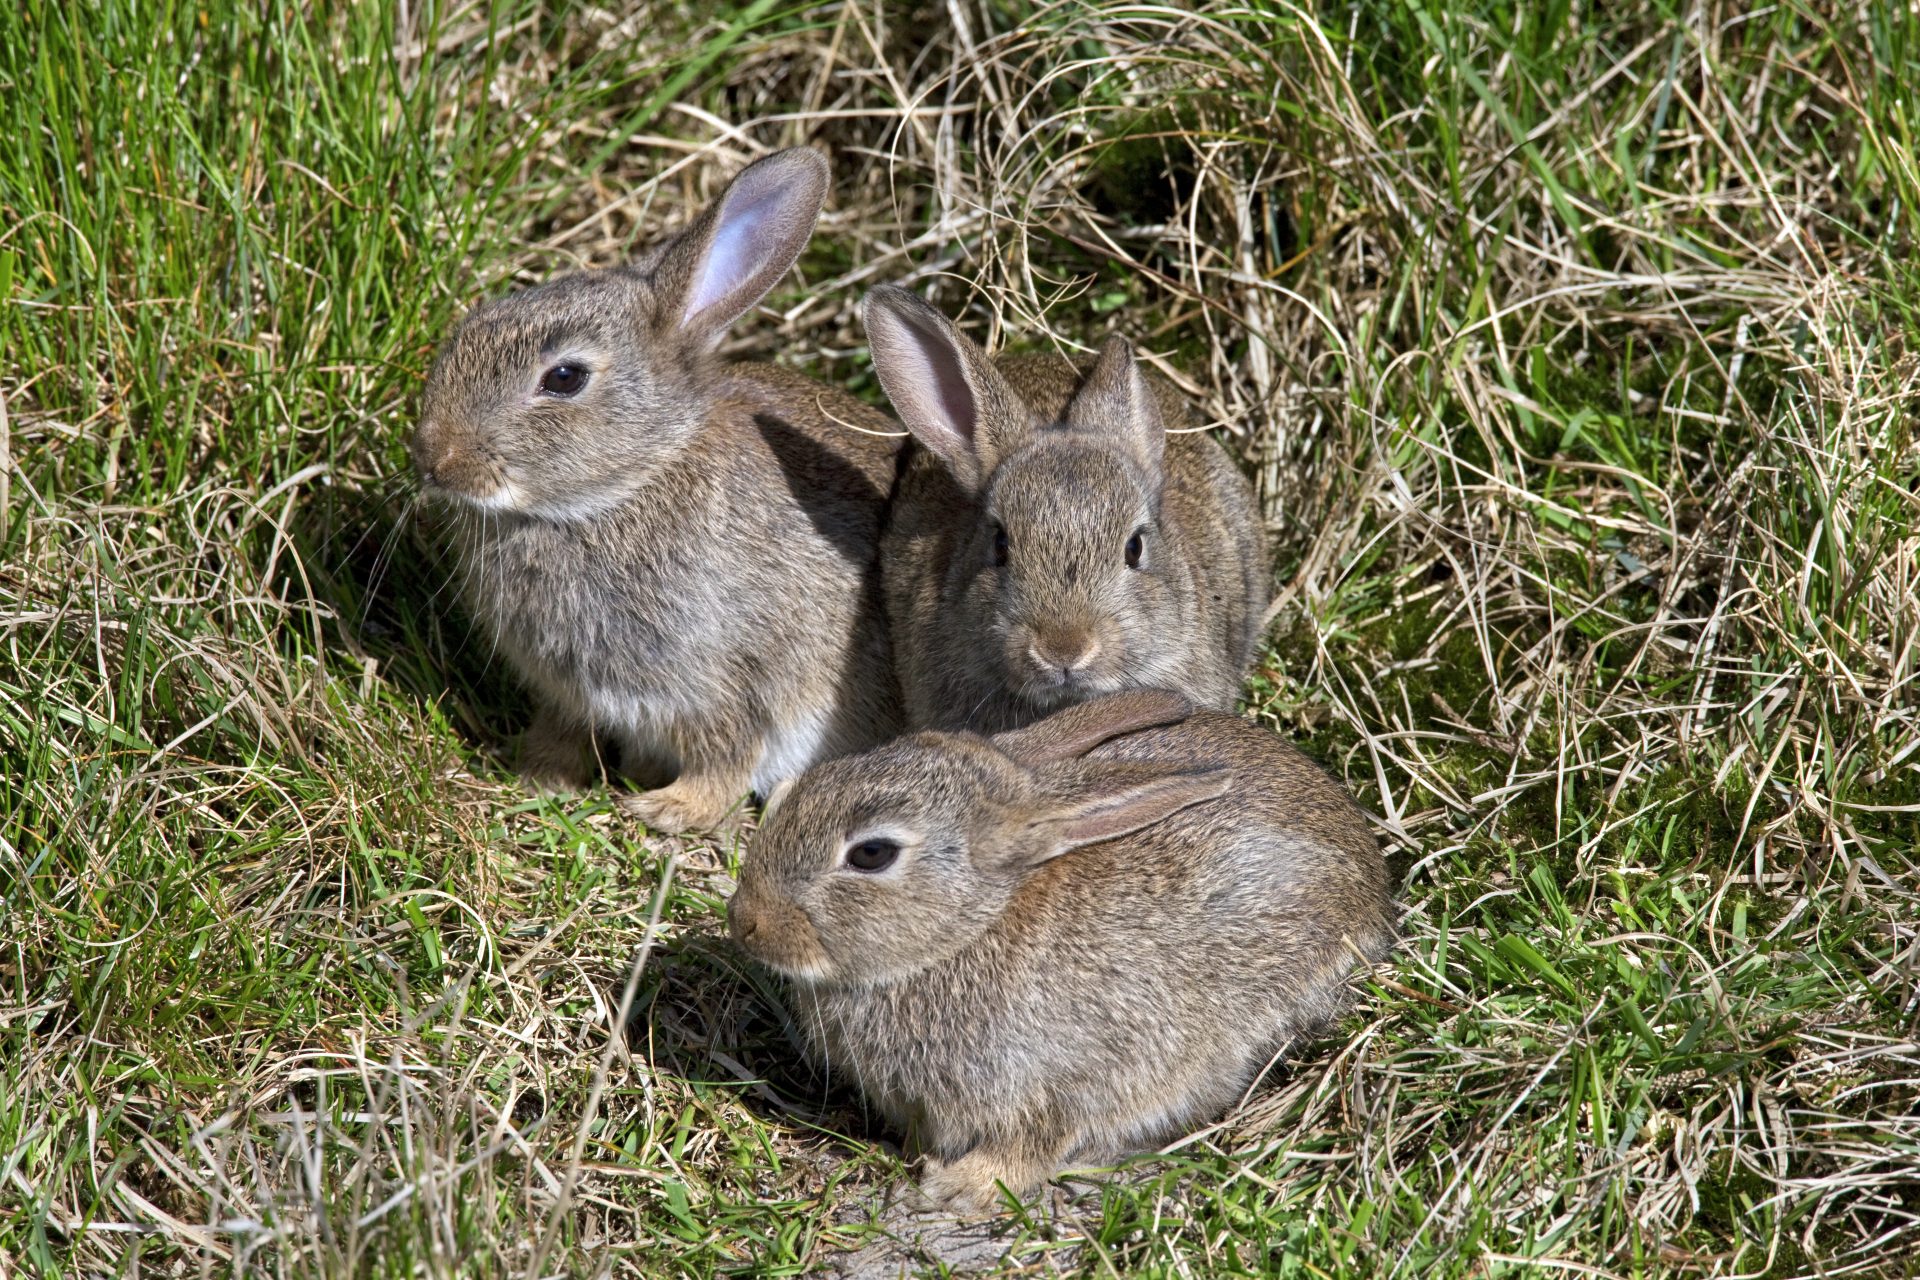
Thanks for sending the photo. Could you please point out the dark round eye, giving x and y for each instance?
(564, 380)
(1135, 545)
(872, 855)
(1000, 548)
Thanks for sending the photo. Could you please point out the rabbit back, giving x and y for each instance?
(1133, 989)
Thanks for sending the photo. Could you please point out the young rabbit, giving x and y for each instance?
(1065, 942)
(1049, 539)
(677, 554)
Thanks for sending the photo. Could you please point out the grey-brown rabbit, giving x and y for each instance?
(1066, 942)
(1049, 539)
(677, 554)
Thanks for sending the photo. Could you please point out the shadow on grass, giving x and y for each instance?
(704, 1013)
(378, 561)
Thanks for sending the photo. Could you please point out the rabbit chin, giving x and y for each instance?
(1051, 692)
(807, 970)
(507, 498)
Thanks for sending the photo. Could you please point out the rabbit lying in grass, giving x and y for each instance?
(677, 554)
(1066, 942)
(1049, 540)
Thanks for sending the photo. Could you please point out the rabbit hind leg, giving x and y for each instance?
(688, 803)
(979, 1181)
(717, 761)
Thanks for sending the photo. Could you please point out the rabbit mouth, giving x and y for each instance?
(1055, 669)
(793, 965)
(501, 497)
(479, 483)
(807, 972)
(779, 937)
(1053, 687)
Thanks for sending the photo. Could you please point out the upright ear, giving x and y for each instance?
(1107, 801)
(741, 244)
(1116, 404)
(1073, 731)
(946, 391)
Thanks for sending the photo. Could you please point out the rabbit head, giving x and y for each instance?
(563, 400)
(871, 868)
(1062, 555)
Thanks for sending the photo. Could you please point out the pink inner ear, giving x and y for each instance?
(757, 231)
(740, 251)
(923, 369)
(936, 366)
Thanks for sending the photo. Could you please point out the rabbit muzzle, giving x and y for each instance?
(1068, 662)
(777, 934)
(451, 465)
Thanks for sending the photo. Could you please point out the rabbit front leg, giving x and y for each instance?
(557, 753)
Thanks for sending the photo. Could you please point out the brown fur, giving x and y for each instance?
(681, 557)
(1098, 930)
(1070, 460)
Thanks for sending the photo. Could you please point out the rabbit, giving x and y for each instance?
(677, 554)
(1065, 942)
(1049, 541)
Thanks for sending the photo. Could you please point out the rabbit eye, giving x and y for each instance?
(872, 855)
(1000, 547)
(1135, 545)
(564, 380)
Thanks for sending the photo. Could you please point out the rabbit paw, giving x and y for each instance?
(978, 1182)
(685, 804)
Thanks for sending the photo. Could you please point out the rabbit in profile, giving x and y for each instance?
(676, 553)
(1050, 540)
(1068, 941)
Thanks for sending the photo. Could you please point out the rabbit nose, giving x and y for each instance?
(752, 917)
(429, 449)
(1066, 654)
(742, 920)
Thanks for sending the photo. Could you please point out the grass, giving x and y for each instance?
(1576, 352)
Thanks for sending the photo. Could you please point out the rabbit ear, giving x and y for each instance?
(1116, 404)
(946, 391)
(780, 792)
(1070, 733)
(1113, 800)
(741, 244)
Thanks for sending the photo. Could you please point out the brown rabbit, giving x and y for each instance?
(1049, 540)
(1070, 941)
(677, 554)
